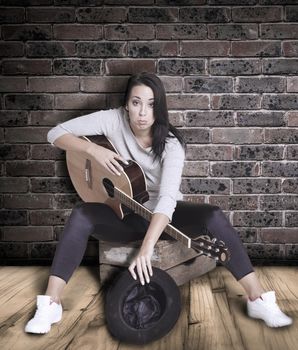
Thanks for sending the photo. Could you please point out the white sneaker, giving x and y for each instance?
(267, 310)
(46, 314)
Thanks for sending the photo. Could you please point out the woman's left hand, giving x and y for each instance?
(143, 264)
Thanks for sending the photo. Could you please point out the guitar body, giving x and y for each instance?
(94, 183)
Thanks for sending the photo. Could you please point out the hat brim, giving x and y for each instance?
(167, 294)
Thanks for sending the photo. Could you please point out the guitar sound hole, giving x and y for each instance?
(108, 185)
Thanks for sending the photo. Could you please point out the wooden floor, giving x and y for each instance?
(213, 314)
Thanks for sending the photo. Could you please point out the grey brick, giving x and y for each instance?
(13, 217)
(101, 14)
(279, 169)
(259, 152)
(101, 49)
(229, 101)
(263, 118)
(209, 152)
(279, 31)
(13, 250)
(290, 185)
(229, 66)
(279, 202)
(292, 218)
(61, 169)
(77, 66)
(30, 168)
(207, 84)
(128, 67)
(49, 217)
(14, 152)
(42, 250)
(152, 14)
(52, 185)
(233, 31)
(181, 31)
(181, 66)
(26, 32)
(255, 48)
(261, 85)
(188, 101)
(206, 48)
(12, 15)
(12, 84)
(204, 14)
(50, 14)
(291, 13)
(50, 49)
(281, 135)
(28, 201)
(172, 84)
(247, 234)
(14, 185)
(43, 152)
(11, 49)
(280, 66)
(52, 118)
(235, 202)
(291, 251)
(196, 135)
(153, 49)
(252, 186)
(129, 32)
(27, 67)
(13, 118)
(205, 186)
(22, 101)
(289, 101)
(257, 218)
(264, 252)
(257, 14)
(209, 118)
(235, 169)
(80, 101)
(292, 152)
(66, 201)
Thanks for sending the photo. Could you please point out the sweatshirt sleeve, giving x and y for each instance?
(172, 167)
(97, 123)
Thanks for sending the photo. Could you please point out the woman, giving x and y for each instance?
(141, 131)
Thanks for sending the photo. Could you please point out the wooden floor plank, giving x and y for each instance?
(213, 314)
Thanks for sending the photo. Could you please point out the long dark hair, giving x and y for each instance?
(161, 127)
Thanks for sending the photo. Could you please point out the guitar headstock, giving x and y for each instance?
(211, 247)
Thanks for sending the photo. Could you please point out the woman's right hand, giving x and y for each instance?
(107, 158)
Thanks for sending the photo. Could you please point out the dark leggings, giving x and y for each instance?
(101, 221)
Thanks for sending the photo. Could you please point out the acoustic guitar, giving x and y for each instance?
(128, 192)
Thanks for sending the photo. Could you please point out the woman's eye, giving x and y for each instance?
(151, 105)
(135, 103)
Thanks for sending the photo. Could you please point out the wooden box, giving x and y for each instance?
(180, 262)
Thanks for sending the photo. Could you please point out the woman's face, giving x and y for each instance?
(140, 108)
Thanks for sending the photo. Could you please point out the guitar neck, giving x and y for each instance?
(138, 208)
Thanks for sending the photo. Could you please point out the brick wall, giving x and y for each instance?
(230, 68)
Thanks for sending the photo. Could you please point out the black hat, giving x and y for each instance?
(139, 314)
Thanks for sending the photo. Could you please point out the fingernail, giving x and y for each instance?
(142, 282)
(147, 280)
(135, 277)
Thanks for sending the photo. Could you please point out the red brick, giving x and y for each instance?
(292, 84)
(13, 84)
(27, 32)
(209, 152)
(103, 84)
(78, 32)
(46, 152)
(50, 14)
(129, 32)
(229, 101)
(279, 235)
(204, 48)
(292, 118)
(22, 135)
(54, 84)
(49, 217)
(80, 101)
(128, 67)
(52, 118)
(279, 31)
(27, 233)
(233, 31)
(255, 48)
(290, 48)
(50, 48)
(237, 136)
(172, 84)
(13, 118)
(32, 67)
(195, 168)
(235, 202)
